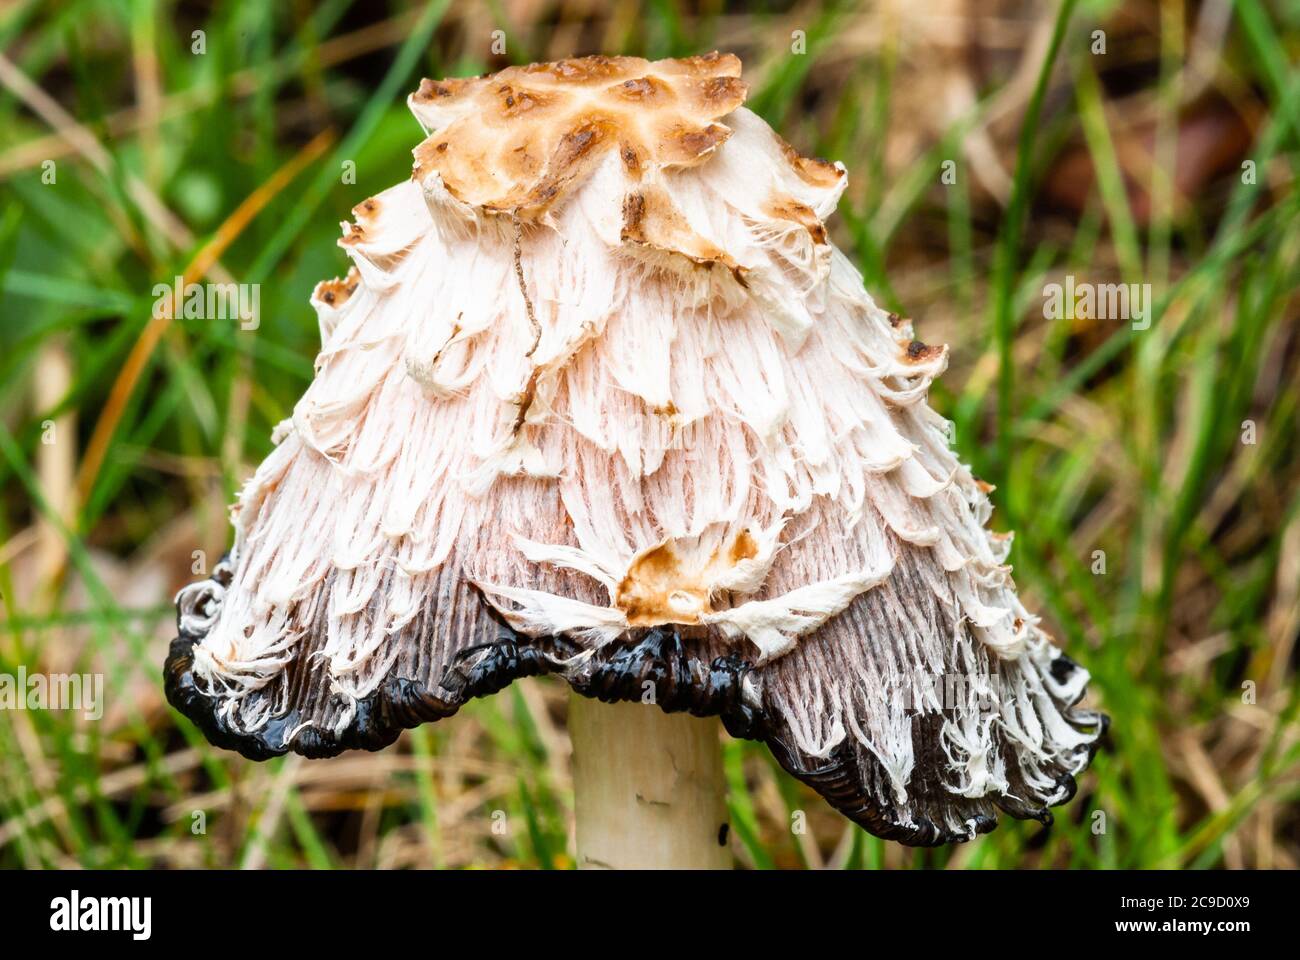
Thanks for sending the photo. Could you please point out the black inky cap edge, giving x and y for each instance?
(612, 673)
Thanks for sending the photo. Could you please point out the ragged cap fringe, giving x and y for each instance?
(599, 397)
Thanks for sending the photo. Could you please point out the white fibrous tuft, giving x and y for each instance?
(587, 378)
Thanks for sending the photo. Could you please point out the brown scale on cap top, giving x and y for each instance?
(513, 142)
(813, 170)
(787, 208)
(336, 292)
(665, 585)
(651, 220)
(918, 352)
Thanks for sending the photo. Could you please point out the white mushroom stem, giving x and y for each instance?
(648, 788)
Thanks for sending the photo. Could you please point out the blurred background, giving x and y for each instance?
(994, 147)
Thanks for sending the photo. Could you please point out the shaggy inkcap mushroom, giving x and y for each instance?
(600, 398)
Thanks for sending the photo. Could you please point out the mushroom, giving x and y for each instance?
(599, 398)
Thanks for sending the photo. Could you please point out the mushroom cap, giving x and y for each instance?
(600, 398)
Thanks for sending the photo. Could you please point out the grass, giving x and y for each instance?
(1165, 457)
